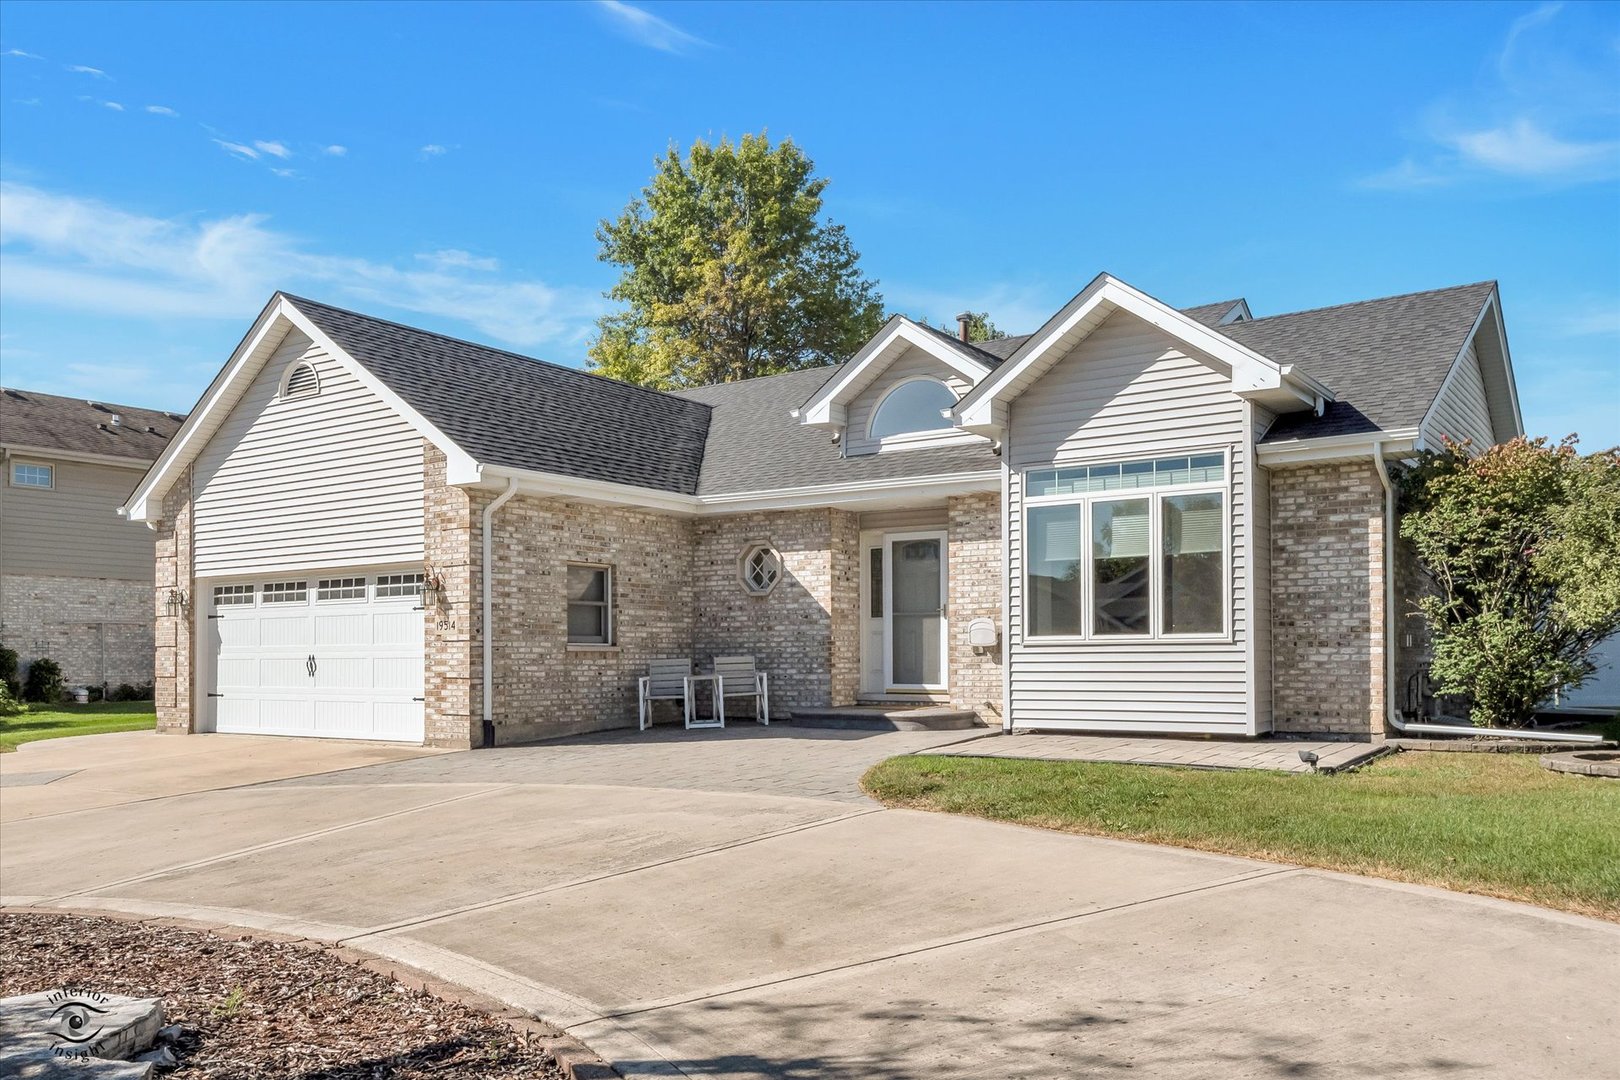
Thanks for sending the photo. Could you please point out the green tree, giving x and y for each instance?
(730, 271)
(1523, 545)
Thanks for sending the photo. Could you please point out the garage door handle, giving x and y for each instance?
(310, 664)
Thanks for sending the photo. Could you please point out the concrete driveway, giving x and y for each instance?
(727, 904)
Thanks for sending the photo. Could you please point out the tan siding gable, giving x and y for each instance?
(1461, 410)
(909, 365)
(73, 530)
(333, 479)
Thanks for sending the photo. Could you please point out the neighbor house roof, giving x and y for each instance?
(1385, 360)
(35, 421)
(511, 410)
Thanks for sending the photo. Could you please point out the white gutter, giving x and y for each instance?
(1391, 679)
(487, 575)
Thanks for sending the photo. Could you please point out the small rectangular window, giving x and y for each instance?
(343, 588)
(1119, 567)
(286, 592)
(32, 476)
(590, 605)
(231, 595)
(398, 585)
(1053, 605)
(1194, 563)
(877, 583)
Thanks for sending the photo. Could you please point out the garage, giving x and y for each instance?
(332, 654)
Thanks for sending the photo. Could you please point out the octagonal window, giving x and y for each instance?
(761, 568)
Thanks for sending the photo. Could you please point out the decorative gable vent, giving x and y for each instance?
(300, 381)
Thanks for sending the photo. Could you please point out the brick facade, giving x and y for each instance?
(976, 583)
(174, 651)
(1327, 580)
(99, 630)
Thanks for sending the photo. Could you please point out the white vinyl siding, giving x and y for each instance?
(331, 479)
(1127, 392)
(909, 365)
(72, 529)
(1461, 410)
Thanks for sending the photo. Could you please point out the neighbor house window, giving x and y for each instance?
(1104, 564)
(590, 605)
(398, 585)
(343, 588)
(32, 476)
(916, 405)
(761, 569)
(286, 592)
(232, 595)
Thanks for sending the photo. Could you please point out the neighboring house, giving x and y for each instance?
(1173, 521)
(75, 578)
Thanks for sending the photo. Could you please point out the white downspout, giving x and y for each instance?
(488, 576)
(1391, 679)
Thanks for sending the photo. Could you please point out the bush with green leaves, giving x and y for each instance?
(8, 671)
(44, 682)
(9, 705)
(124, 692)
(1522, 542)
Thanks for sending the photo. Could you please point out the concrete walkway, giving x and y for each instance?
(1280, 755)
(726, 904)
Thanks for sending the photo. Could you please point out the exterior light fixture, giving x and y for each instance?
(432, 588)
(1309, 758)
(175, 603)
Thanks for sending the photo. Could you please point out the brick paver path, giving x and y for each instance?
(1281, 755)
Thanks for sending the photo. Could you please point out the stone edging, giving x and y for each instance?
(576, 1060)
(1484, 745)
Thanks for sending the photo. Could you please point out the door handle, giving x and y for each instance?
(310, 665)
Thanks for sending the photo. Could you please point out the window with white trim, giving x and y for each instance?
(391, 585)
(24, 474)
(286, 592)
(912, 407)
(590, 604)
(1127, 549)
(300, 381)
(761, 569)
(232, 595)
(343, 588)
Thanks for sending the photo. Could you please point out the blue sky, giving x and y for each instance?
(166, 167)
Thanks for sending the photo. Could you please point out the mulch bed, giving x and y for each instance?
(260, 1009)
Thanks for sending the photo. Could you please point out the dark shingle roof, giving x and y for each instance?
(1384, 360)
(506, 409)
(48, 422)
(756, 445)
(975, 349)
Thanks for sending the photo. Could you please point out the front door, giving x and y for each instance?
(914, 594)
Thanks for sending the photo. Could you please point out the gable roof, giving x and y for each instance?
(1385, 360)
(753, 444)
(1216, 314)
(47, 422)
(509, 410)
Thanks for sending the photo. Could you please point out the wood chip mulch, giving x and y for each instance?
(258, 1009)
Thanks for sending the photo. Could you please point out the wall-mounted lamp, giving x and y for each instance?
(175, 603)
(432, 588)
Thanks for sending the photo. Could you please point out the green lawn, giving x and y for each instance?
(40, 722)
(1497, 824)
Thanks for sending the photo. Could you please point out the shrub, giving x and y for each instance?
(143, 692)
(9, 705)
(8, 671)
(124, 692)
(1611, 728)
(44, 682)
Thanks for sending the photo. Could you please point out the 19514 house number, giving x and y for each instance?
(447, 624)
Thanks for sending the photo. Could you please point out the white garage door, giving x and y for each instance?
(336, 655)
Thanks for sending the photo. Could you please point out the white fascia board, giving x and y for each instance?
(826, 408)
(78, 456)
(557, 486)
(1402, 442)
(1251, 372)
(188, 441)
(853, 492)
(460, 468)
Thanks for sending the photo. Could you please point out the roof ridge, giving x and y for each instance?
(1371, 300)
(752, 379)
(480, 345)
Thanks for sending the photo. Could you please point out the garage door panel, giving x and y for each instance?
(354, 629)
(279, 673)
(237, 714)
(397, 675)
(237, 633)
(397, 720)
(284, 631)
(237, 673)
(396, 629)
(344, 673)
(342, 719)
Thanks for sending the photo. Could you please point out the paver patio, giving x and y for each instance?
(726, 904)
(1277, 755)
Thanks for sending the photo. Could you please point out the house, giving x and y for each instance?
(1155, 520)
(75, 579)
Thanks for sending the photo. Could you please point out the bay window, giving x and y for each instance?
(1127, 549)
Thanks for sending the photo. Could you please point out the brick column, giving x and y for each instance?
(452, 662)
(976, 585)
(174, 652)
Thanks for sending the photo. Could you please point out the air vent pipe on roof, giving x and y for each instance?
(963, 322)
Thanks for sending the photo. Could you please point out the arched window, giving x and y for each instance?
(300, 381)
(912, 406)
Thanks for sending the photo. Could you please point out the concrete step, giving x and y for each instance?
(887, 718)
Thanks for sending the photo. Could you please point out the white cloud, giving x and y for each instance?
(273, 148)
(456, 259)
(1522, 148)
(23, 55)
(161, 110)
(336, 151)
(238, 149)
(433, 150)
(113, 105)
(645, 28)
(81, 69)
(285, 173)
(26, 101)
(82, 255)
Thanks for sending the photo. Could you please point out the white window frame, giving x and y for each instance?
(410, 580)
(239, 589)
(343, 584)
(949, 433)
(286, 381)
(50, 475)
(274, 593)
(750, 550)
(609, 614)
(1155, 496)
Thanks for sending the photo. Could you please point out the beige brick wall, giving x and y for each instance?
(98, 629)
(976, 589)
(1328, 599)
(453, 667)
(806, 632)
(175, 651)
